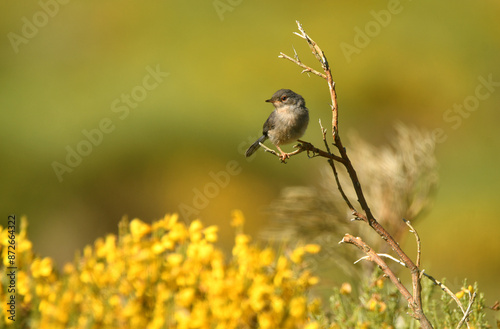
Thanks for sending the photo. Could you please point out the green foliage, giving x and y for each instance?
(378, 304)
(444, 312)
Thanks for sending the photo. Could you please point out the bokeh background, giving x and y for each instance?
(67, 66)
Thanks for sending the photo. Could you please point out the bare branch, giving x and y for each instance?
(414, 300)
(320, 56)
(267, 149)
(299, 63)
(468, 311)
(383, 255)
(417, 237)
(304, 146)
(374, 257)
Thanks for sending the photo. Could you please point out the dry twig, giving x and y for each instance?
(417, 237)
(374, 257)
(414, 300)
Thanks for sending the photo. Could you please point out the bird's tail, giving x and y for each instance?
(251, 150)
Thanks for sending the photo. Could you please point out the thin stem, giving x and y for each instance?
(417, 237)
(305, 67)
(305, 146)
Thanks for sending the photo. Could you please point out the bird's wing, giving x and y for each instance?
(269, 124)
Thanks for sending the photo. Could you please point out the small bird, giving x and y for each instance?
(287, 123)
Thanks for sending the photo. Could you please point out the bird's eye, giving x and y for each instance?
(284, 98)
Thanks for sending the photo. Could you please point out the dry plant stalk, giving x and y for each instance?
(414, 298)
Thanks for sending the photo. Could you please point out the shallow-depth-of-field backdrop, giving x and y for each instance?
(141, 109)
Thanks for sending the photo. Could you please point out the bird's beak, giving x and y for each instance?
(270, 101)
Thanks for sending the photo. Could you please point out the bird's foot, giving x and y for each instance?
(283, 156)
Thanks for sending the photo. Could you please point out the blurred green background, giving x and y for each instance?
(66, 67)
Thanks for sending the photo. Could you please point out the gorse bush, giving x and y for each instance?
(163, 275)
(171, 275)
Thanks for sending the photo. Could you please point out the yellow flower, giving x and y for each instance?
(44, 305)
(68, 268)
(266, 257)
(372, 304)
(375, 304)
(132, 309)
(282, 271)
(108, 249)
(87, 251)
(363, 325)
(314, 306)
(138, 229)
(241, 245)
(266, 320)
(174, 259)
(199, 315)
(299, 252)
(312, 325)
(211, 233)
(278, 304)
(380, 283)
(313, 280)
(158, 247)
(166, 222)
(41, 268)
(86, 276)
(97, 308)
(217, 266)
(185, 297)
(312, 248)
(178, 233)
(297, 255)
(238, 220)
(114, 300)
(259, 293)
(460, 294)
(205, 251)
(167, 243)
(157, 323)
(242, 239)
(345, 288)
(298, 307)
(195, 228)
(24, 245)
(23, 283)
(182, 318)
(167, 275)
(172, 219)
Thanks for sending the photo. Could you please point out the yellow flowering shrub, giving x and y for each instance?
(161, 275)
(171, 275)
